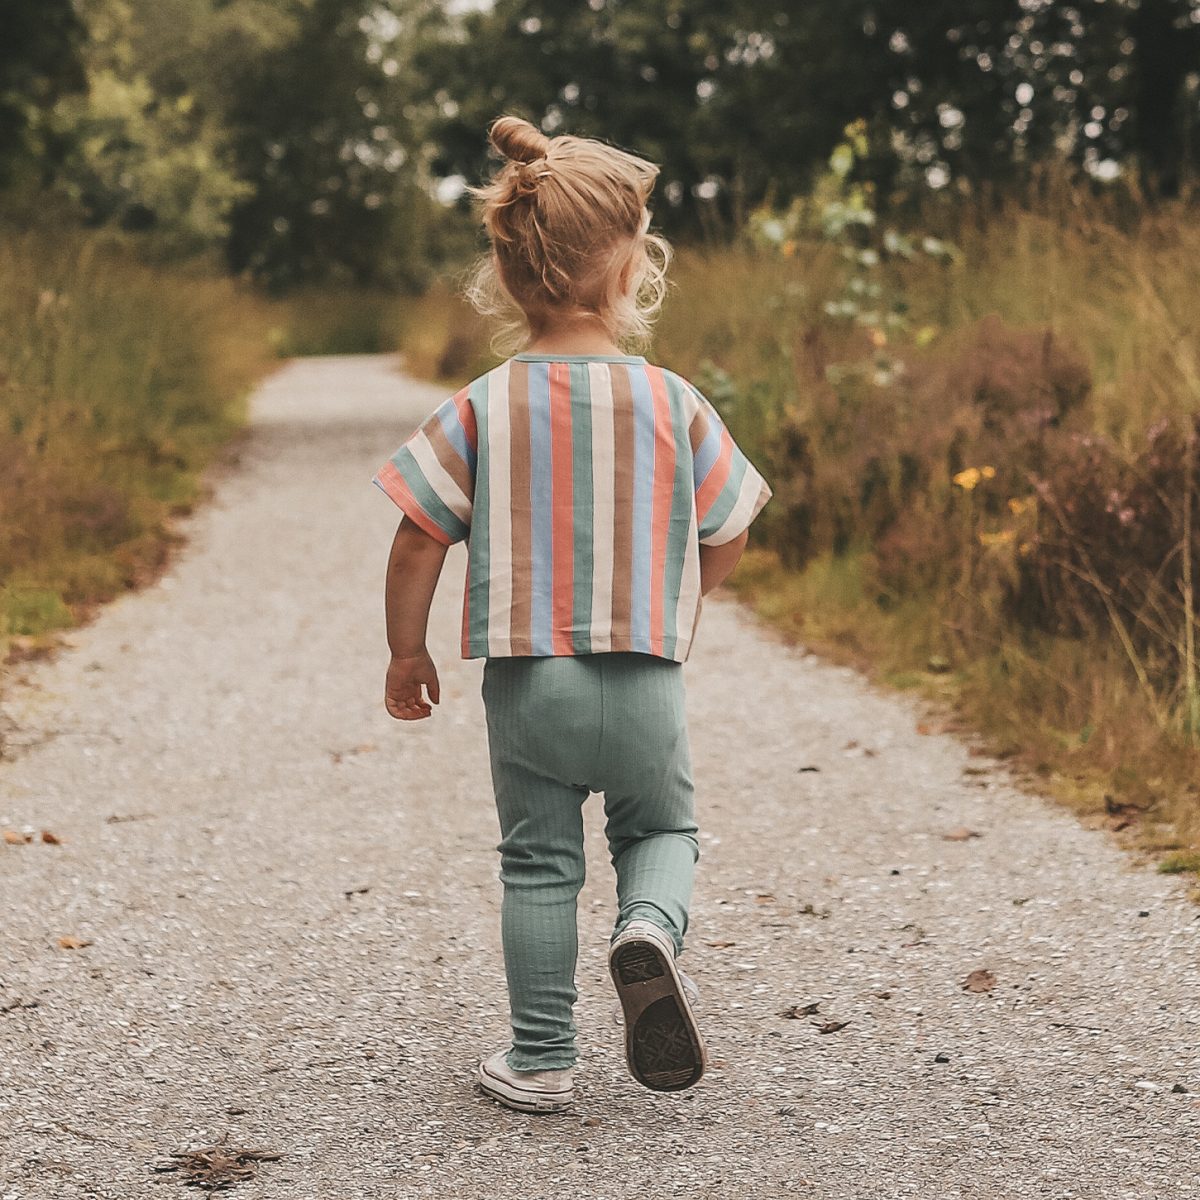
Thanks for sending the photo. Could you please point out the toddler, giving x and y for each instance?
(600, 496)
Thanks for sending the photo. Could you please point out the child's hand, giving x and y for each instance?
(403, 691)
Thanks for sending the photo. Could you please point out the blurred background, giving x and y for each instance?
(936, 266)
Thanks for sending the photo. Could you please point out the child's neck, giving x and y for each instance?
(586, 336)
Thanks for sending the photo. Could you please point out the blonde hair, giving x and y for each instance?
(569, 229)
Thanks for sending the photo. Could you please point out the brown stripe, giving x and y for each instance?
(698, 429)
(623, 440)
(521, 640)
(449, 458)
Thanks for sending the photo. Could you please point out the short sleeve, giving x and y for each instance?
(431, 478)
(730, 492)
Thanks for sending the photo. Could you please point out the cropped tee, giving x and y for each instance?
(584, 486)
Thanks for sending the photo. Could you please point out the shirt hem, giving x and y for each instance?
(618, 646)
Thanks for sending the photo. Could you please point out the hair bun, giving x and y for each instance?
(518, 140)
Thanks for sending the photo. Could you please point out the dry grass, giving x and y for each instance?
(118, 383)
(1059, 352)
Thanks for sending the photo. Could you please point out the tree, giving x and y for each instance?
(149, 144)
(39, 62)
(323, 141)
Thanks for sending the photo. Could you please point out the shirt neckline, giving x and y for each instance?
(580, 358)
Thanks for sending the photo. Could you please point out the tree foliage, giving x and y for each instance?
(310, 137)
(40, 60)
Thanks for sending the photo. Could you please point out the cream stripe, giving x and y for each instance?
(438, 478)
(600, 388)
(499, 513)
(740, 513)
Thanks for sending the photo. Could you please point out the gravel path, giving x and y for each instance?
(293, 907)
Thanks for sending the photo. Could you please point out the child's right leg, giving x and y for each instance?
(645, 771)
(646, 775)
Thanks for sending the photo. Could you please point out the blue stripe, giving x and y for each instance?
(643, 506)
(423, 492)
(708, 451)
(542, 505)
(455, 433)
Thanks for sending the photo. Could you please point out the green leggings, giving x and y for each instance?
(560, 728)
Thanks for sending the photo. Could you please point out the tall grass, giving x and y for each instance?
(118, 383)
(995, 500)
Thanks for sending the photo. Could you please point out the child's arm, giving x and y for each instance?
(717, 562)
(414, 566)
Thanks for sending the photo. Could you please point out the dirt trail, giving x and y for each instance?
(293, 909)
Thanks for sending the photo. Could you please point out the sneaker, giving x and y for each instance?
(663, 1045)
(690, 990)
(526, 1091)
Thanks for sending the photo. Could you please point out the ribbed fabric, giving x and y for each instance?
(559, 728)
(585, 487)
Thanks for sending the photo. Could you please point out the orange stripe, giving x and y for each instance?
(521, 506)
(716, 479)
(563, 543)
(664, 485)
(393, 483)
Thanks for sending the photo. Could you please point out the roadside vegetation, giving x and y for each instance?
(982, 442)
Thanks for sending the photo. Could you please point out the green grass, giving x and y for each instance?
(325, 320)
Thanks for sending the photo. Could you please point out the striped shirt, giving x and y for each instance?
(584, 486)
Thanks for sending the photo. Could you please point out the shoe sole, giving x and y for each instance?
(522, 1101)
(663, 1046)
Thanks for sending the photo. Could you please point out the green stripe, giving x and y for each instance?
(426, 497)
(682, 499)
(480, 546)
(727, 498)
(581, 482)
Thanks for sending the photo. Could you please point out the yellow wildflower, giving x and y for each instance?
(1002, 537)
(969, 478)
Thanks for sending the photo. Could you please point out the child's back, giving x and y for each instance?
(588, 484)
(600, 496)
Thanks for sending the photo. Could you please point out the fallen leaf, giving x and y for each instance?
(979, 981)
(796, 1011)
(217, 1168)
(923, 729)
(961, 834)
(832, 1026)
(51, 839)
(719, 945)
(13, 838)
(72, 943)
